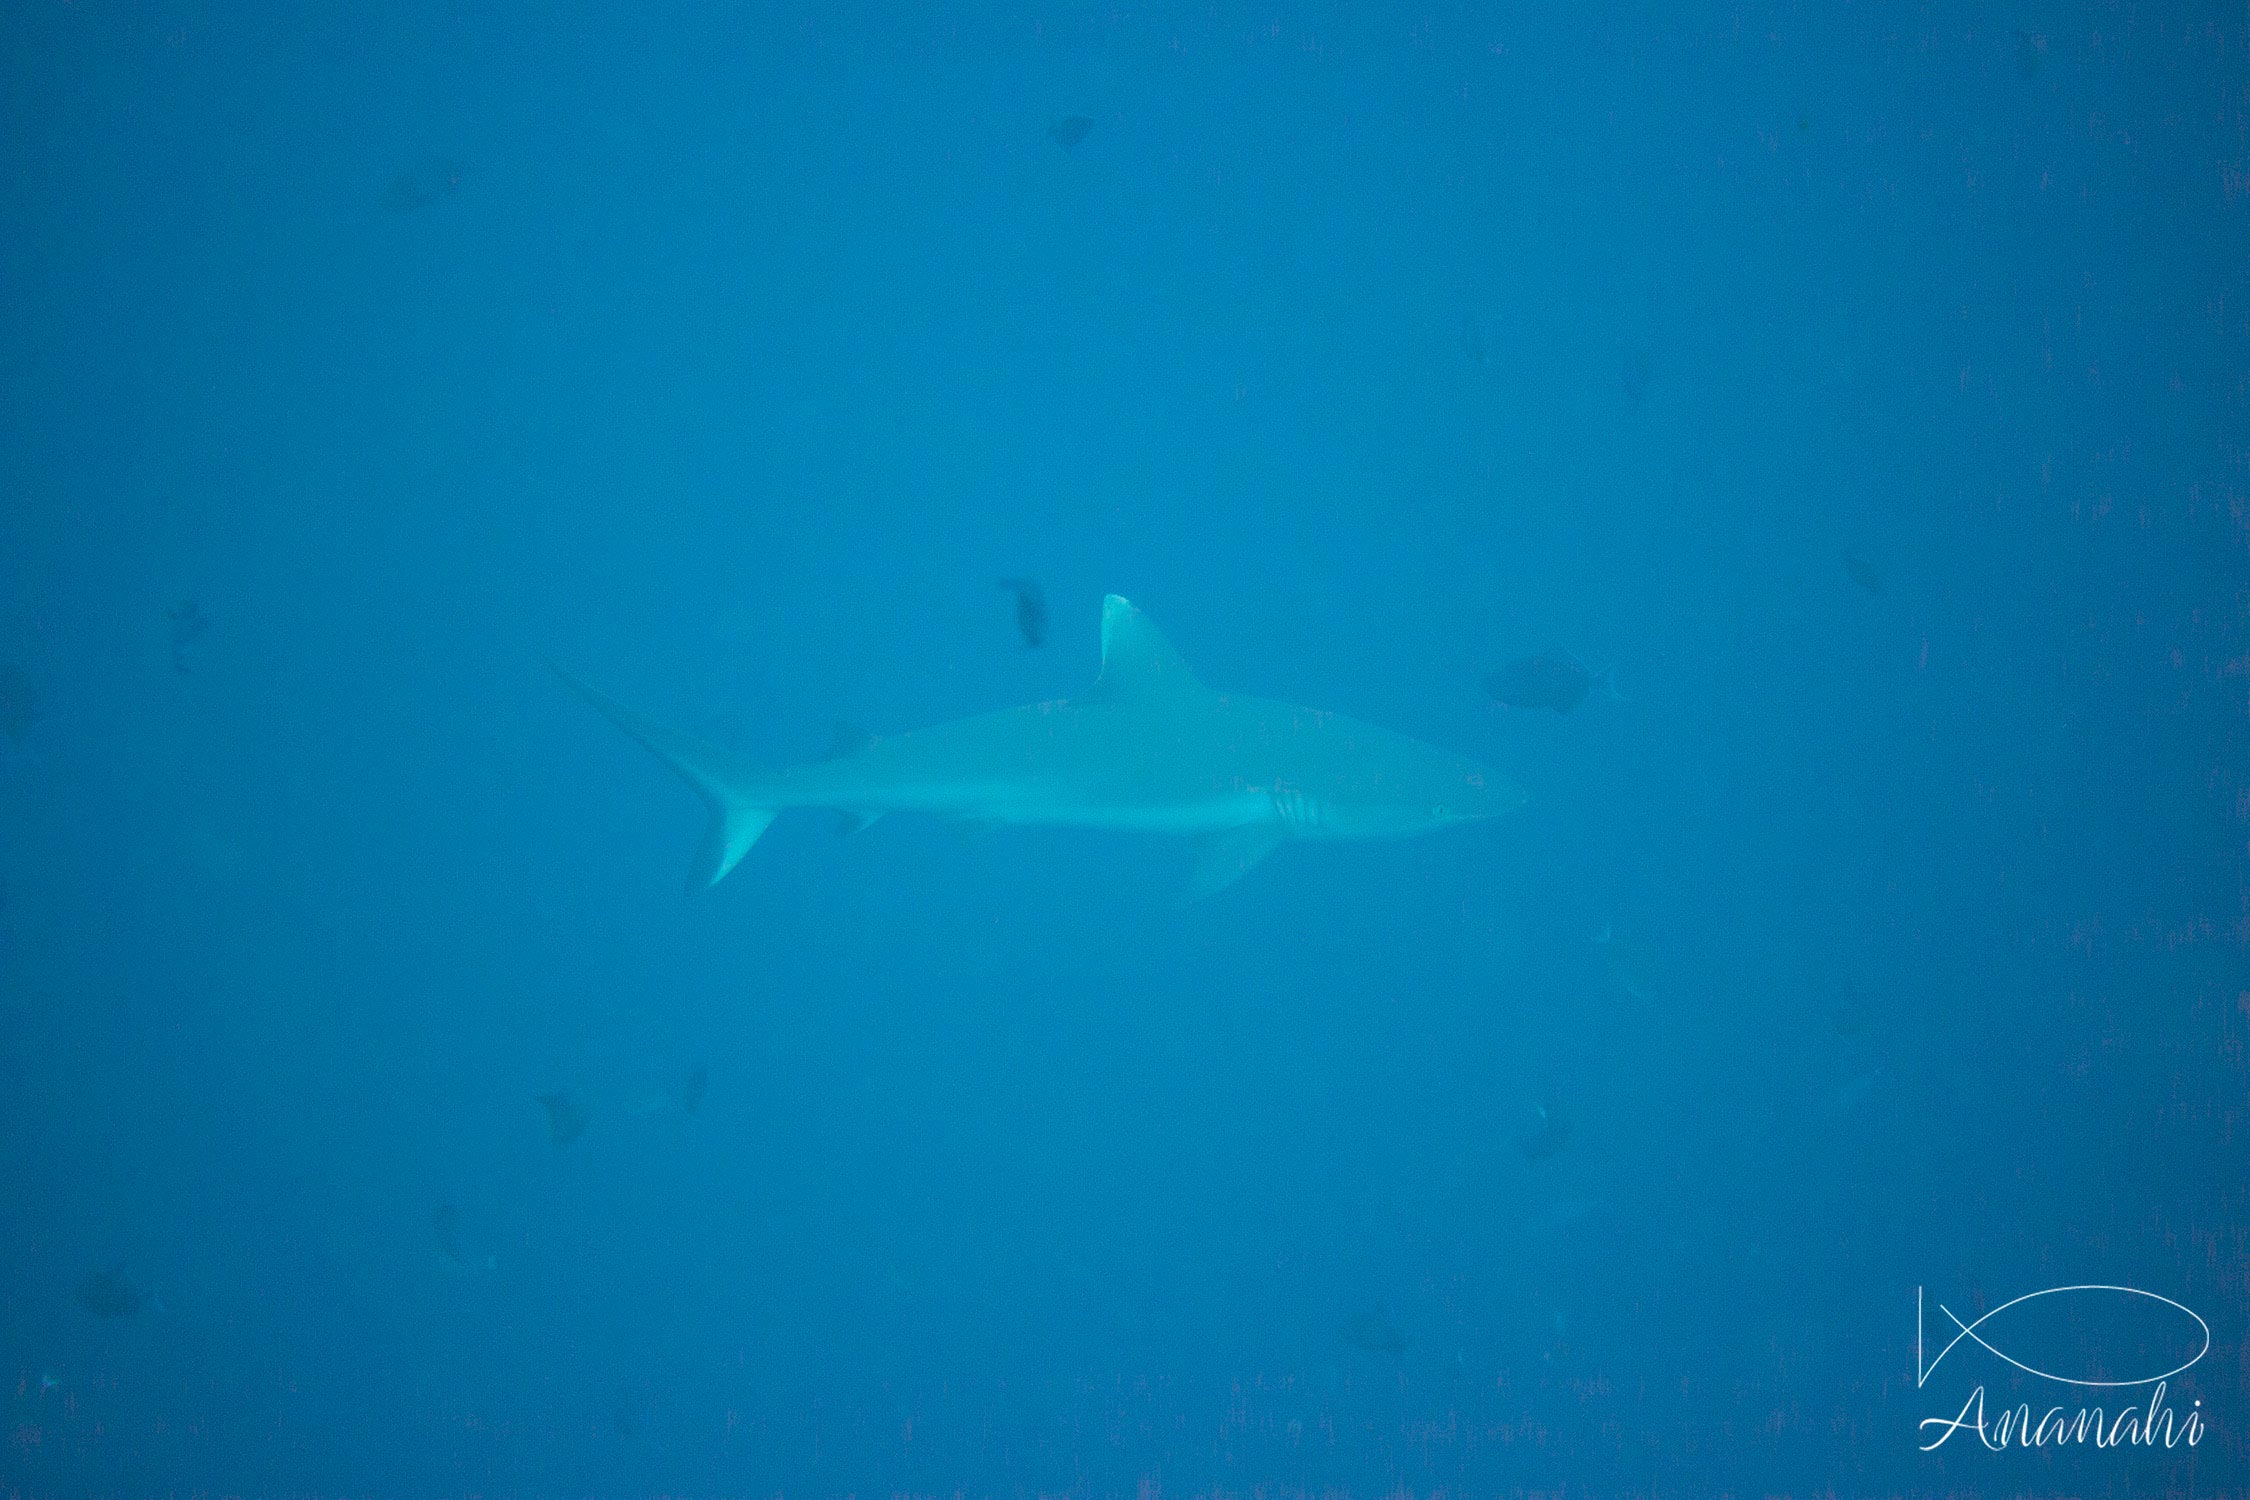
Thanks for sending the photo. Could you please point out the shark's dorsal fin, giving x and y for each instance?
(1137, 662)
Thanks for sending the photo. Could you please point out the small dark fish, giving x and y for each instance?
(445, 1229)
(1472, 340)
(1849, 1015)
(1375, 1331)
(691, 1093)
(188, 626)
(1068, 131)
(19, 702)
(566, 1117)
(625, 1416)
(1863, 573)
(107, 1294)
(422, 182)
(1635, 379)
(1545, 1133)
(2031, 51)
(1031, 608)
(1557, 682)
(1847, 1098)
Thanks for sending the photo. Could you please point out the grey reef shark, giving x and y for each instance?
(1147, 749)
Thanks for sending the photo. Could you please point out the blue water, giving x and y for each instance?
(1865, 386)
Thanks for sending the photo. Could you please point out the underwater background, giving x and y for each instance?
(1866, 388)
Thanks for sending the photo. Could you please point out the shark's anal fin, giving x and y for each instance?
(1225, 857)
(736, 821)
(971, 827)
(850, 740)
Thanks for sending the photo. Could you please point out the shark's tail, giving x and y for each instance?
(724, 786)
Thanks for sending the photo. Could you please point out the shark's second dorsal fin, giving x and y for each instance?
(1137, 662)
(847, 741)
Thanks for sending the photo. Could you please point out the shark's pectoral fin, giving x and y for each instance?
(849, 823)
(1226, 857)
(733, 828)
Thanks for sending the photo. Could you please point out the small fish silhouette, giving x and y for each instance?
(2031, 51)
(566, 1117)
(1375, 1330)
(1031, 608)
(107, 1294)
(1555, 682)
(1862, 572)
(1545, 1133)
(19, 702)
(188, 625)
(422, 182)
(1473, 341)
(445, 1229)
(1634, 378)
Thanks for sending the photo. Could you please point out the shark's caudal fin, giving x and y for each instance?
(736, 821)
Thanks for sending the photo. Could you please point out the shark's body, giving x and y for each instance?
(1149, 749)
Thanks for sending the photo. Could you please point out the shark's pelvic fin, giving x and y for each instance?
(850, 740)
(1223, 858)
(1137, 662)
(736, 821)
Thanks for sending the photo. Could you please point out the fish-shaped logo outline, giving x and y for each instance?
(1969, 1331)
